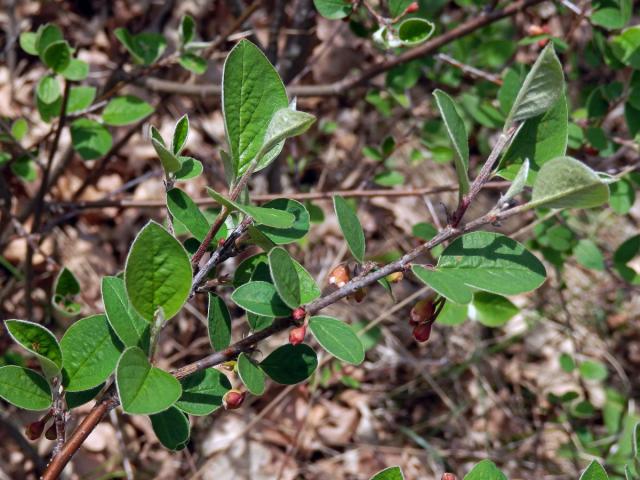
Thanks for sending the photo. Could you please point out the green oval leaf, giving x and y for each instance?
(296, 231)
(414, 31)
(351, 227)
(57, 56)
(270, 217)
(180, 135)
(290, 364)
(125, 111)
(589, 255)
(76, 399)
(493, 310)
(158, 273)
(24, 388)
(250, 375)
(145, 47)
(337, 338)
(143, 388)
(90, 352)
(80, 98)
(252, 92)
(28, 41)
(90, 139)
(593, 370)
(391, 473)
(594, 471)
(626, 252)
(260, 298)
(76, 70)
(202, 392)
(193, 63)
(485, 470)
(48, 90)
(188, 213)
(46, 35)
(285, 277)
(218, 323)
(39, 341)
(542, 87)
(172, 428)
(565, 182)
(129, 326)
(491, 262)
(445, 284)
(189, 168)
(334, 9)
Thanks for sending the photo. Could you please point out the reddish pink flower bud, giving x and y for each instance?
(299, 314)
(34, 430)
(233, 399)
(448, 476)
(413, 7)
(422, 332)
(296, 335)
(421, 312)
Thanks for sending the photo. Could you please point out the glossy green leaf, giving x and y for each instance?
(125, 111)
(589, 255)
(270, 217)
(218, 323)
(28, 41)
(48, 89)
(518, 183)
(145, 48)
(542, 87)
(251, 375)
(57, 56)
(623, 196)
(290, 364)
(143, 388)
(453, 314)
(486, 261)
(189, 168)
(90, 352)
(252, 92)
(172, 428)
(594, 471)
(202, 392)
(285, 277)
(76, 71)
(187, 29)
(80, 98)
(541, 138)
(485, 470)
(180, 135)
(445, 284)
(25, 168)
(493, 310)
(337, 338)
(593, 370)
(389, 178)
(39, 341)
(90, 139)
(170, 162)
(260, 298)
(129, 326)
(19, 128)
(351, 227)
(414, 31)
(391, 473)
(46, 35)
(193, 63)
(66, 283)
(611, 14)
(565, 182)
(458, 134)
(24, 388)
(623, 255)
(186, 211)
(285, 123)
(334, 9)
(158, 273)
(296, 231)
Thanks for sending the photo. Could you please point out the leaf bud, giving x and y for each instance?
(296, 335)
(233, 399)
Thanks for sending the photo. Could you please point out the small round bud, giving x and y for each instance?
(535, 30)
(221, 242)
(51, 433)
(296, 335)
(421, 312)
(422, 332)
(339, 276)
(359, 294)
(233, 399)
(413, 7)
(229, 365)
(34, 430)
(395, 277)
(448, 476)
(298, 314)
